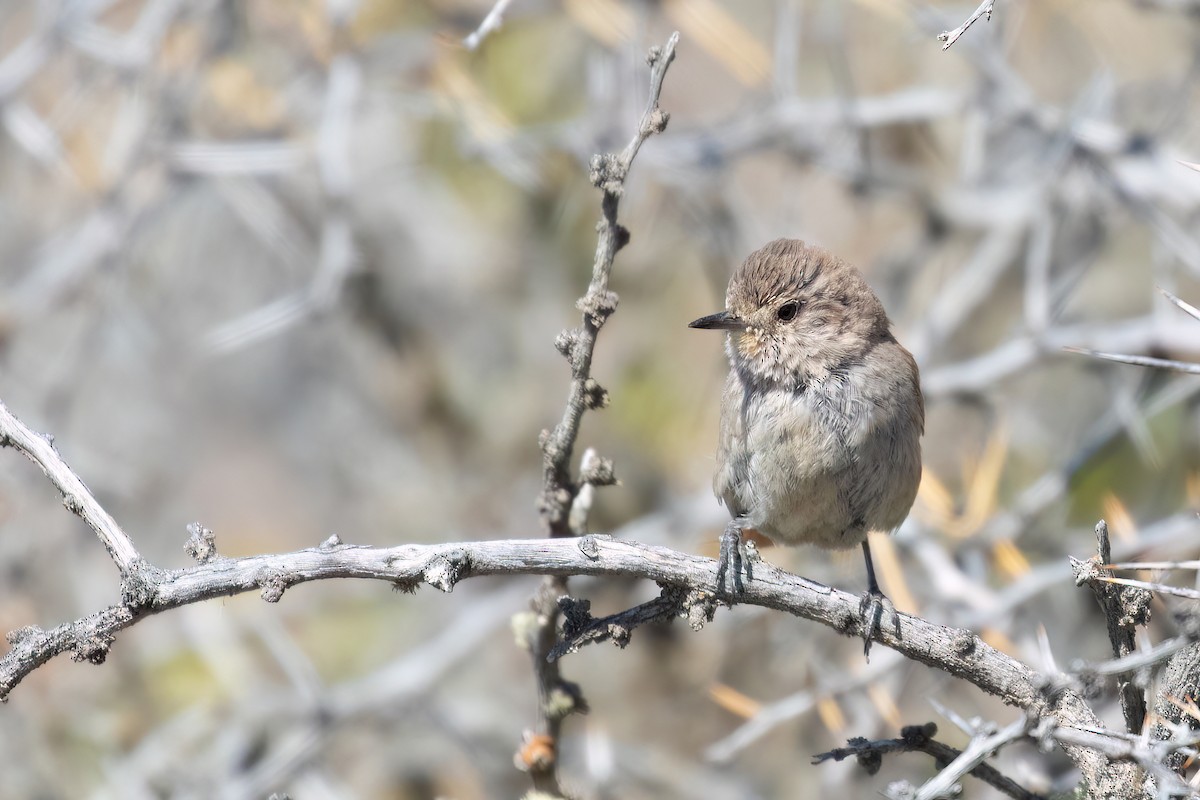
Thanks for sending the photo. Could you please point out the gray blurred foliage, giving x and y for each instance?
(295, 268)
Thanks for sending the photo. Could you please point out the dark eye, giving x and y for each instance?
(787, 312)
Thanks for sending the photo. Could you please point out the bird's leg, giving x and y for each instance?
(874, 605)
(733, 552)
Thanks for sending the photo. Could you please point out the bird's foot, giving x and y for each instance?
(873, 607)
(737, 553)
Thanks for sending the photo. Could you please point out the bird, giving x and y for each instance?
(821, 416)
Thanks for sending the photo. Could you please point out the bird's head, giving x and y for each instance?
(797, 314)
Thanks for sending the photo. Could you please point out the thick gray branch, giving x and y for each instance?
(956, 651)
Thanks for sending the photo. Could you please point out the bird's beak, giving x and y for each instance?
(721, 321)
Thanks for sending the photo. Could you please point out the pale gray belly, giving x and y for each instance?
(815, 468)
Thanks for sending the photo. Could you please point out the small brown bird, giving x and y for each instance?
(822, 415)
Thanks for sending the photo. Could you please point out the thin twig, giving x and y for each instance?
(1134, 661)
(980, 747)
(1161, 588)
(608, 173)
(581, 628)
(490, 24)
(1139, 361)
(1153, 565)
(919, 739)
(76, 496)
(1146, 754)
(1124, 608)
(1184, 306)
(565, 501)
(948, 38)
(1022, 352)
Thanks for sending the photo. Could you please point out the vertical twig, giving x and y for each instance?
(608, 173)
(1124, 608)
(558, 697)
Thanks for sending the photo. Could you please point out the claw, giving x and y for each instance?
(733, 552)
(871, 609)
(873, 606)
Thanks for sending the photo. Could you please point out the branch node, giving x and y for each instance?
(577, 614)
(567, 343)
(900, 790)
(406, 585)
(443, 571)
(553, 505)
(139, 585)
(699, 607)
(201, 543)
(524, 628)
(273, 585)
(579, 627)
(621, 237)
(597, 306)
(332, 541)
(656, 122)
(15, 637)
(537, 753)
(93, 649)
(963, 645)
(565, 699)
(595, 396)
(845, 621)
(73, 504)
(589, 547)
(870, 760)
(607, 173)
(917, 735)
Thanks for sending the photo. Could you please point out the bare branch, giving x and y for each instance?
(686, 582)
(1161, 588)
(1124, 609)
(565, 502)
(577, 345)
(581, 628)
(1148, 755)
(1021, 352)
(1134, 661)
(1162, 565)
(958, 652)
(948, 38)
(919, 739)
(1139, 361)
(1184, 306)
(444, 565)
(490, 24)
(76, 496)
(981, 746)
